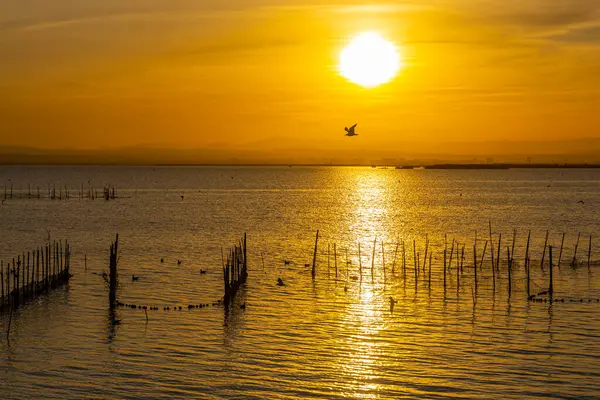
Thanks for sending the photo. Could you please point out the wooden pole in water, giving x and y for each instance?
(462, 258)
(527, 248)
(499, 248)
(451, 254)
(32, 280)
(26, 280)
(508, 257)
(415, 259)
(328, 259)
(544, 253)
(373, 261)
(2, 283)
(562, 242)
(347, 262)
(429, 273)
(114, 251)
(458, 269)
(403, 260)
(475, 263)
(314, 263)
(8, 294)
(360, 263)
(551, 287)
(383, 260)
(445, 269)
(492, 245)
(483, 256)
(335, 260)
(395, 256)
(589, 251)
(575, 252)
(17, 286)
(426, 249)
(512, 251)
(37, 270)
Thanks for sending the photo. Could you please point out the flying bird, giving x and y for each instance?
(350, 131)
(580, 201)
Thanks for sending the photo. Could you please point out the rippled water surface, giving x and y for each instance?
(327, 338)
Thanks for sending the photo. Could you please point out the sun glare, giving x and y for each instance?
(369, 60)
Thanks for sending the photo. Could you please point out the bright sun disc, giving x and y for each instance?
(369, 60)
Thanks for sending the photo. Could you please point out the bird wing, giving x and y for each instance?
(353, 126)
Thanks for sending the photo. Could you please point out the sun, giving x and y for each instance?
(369, 60)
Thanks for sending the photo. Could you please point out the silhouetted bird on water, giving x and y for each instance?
(178, 262)
(243, 306)
(580, 201)
(181, 197)
(134, 278)
(162, 260)
(280, 282)
(350, 131)
(286, 262)
(392, 303)
(202, 271)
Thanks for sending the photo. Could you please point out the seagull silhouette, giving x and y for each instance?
(350, 131)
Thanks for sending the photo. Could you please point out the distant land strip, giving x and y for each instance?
(490, 166)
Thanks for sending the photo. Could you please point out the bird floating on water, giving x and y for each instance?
(580, 201)
(178, 262)
(202, 271)
(280, 282)
(350, 131)
(134, 278)
(392, 303)
(162, 260)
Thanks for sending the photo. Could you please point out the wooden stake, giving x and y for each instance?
(551, 287)
(499, 247)
(483, 255)
(562, 242)
(328, 257)
(383, 260)
(575, 252)
(335, 260)
(373, 261)
(360, 262)
(395, 256)
(512, 252)
(508, 257)
(415, 259)
(544, 253)
(314, 263)
(492, 246)
(589, 251)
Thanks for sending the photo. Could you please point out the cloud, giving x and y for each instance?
(578, 35)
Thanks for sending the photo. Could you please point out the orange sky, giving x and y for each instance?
(262, 73)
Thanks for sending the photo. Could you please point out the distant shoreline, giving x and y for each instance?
(440, 166)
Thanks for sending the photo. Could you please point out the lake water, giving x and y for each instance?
(328, 338)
